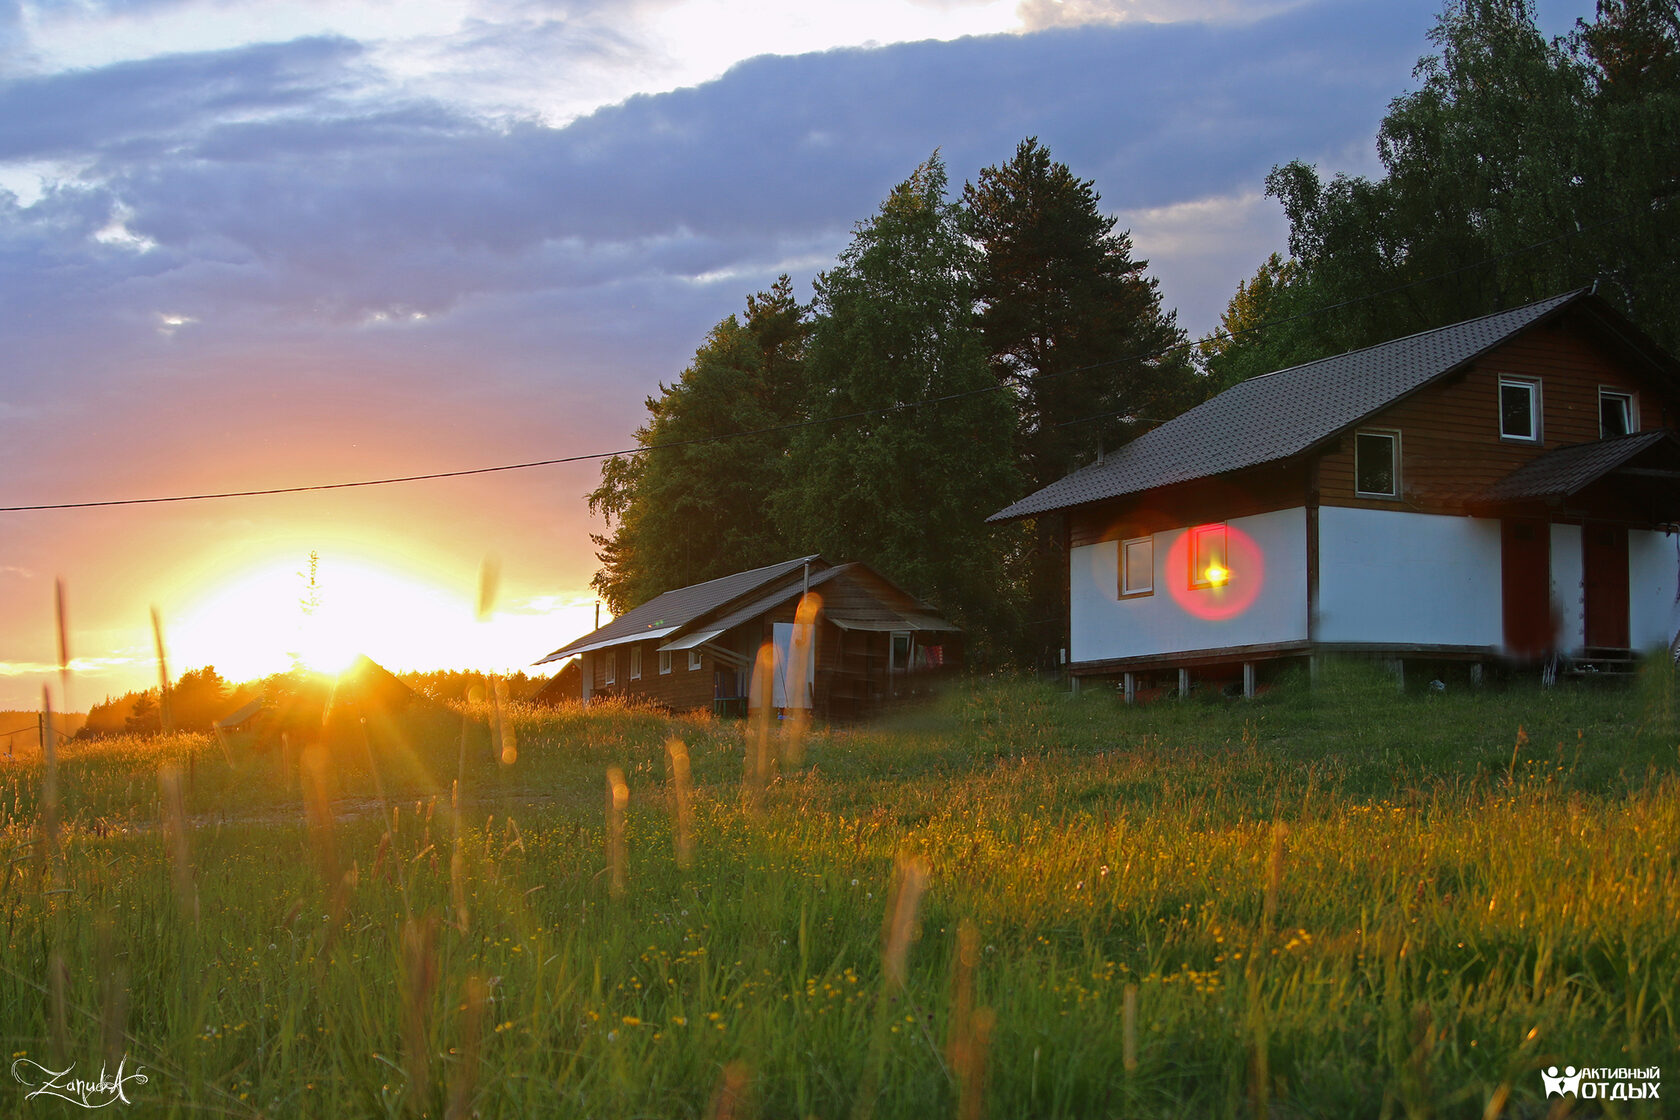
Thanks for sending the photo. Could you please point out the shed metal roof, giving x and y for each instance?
(668, 613)
(1569, 470)
(1282, 414)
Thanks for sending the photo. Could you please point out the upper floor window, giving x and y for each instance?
(1208, 565)
(1519, 409)
(1615, 414)
(1376, 464)
(1137, 566)
(635, 663)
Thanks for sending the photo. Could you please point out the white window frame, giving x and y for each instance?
(1198, 569)
(610, 676)
(1132, 587)
(694, 659)
(1535, 412)
(636, 662)
(1629, 402)
(1393, 437)
(664, 662)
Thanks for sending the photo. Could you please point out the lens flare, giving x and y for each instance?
(1220, 590)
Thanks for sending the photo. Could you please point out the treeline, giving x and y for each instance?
(963, 352)
(959, 353)
(197, 699)
(1519, 168)
(200, 697)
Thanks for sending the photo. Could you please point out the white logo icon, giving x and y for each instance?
(1569, 1082)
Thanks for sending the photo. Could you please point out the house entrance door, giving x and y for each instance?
(1604, 585)
(1525, 579)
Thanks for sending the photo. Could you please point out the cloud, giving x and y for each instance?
(133, 110)
(1037, 15)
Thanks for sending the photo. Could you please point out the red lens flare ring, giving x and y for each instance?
(1228, 586)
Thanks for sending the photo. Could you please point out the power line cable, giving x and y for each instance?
(887, 410)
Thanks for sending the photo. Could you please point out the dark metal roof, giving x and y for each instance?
(887, 616)
(1569, 470)
(675, 609)
(1282, 414)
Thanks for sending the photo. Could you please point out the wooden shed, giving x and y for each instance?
(839, 640)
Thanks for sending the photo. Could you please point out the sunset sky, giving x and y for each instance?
(249, 244)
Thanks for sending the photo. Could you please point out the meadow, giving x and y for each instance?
(1337, 900)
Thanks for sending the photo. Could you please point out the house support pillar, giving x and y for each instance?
(1131, 688)
(1074, 682)
(1248, 680)
(1475, 674)
(1183, 684)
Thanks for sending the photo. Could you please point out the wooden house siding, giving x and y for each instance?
(1450, 446)
(1262, 490)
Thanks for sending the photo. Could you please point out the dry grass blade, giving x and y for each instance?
(175, 836)
(465, 1080)
(63, 642)
(802, 651)
(910, 881)
(682, 800)
(760, 760)
(420, 981)
(618, 798)
(164, 715)
(48, 847)
(970, 1029)
(729, 1099)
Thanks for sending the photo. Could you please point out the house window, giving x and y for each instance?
(1376, 464)
(664, 661)
(635, 663)
(609, 671)
(1615, 414)
(1519, 409)
(1208, 566)
(693, 660)
(1137, 567)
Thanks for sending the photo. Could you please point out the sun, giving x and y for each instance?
(268, 619)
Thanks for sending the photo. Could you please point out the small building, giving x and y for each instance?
(1503, 488)
(869, 643)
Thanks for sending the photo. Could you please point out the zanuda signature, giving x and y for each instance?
(108, 1089)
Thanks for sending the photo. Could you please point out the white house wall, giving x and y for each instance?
(1103, 626)
(1391, 576)
(1568, 592)
(1653, 575)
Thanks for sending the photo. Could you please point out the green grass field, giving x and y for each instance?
(1342, 901)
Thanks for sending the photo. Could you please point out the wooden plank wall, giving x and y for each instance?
(1261, 490)
(1450, 447)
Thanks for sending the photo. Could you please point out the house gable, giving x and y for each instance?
(1450, 447)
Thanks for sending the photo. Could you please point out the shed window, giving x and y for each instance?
(693, 659)
(1519, 409)
(635, 663)
(1376, 464)
(1208, 567)
(664, 661)
(1615, 414)
(1137, 566)
(609, 672)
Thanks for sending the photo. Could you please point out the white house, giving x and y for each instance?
(1503, 488)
